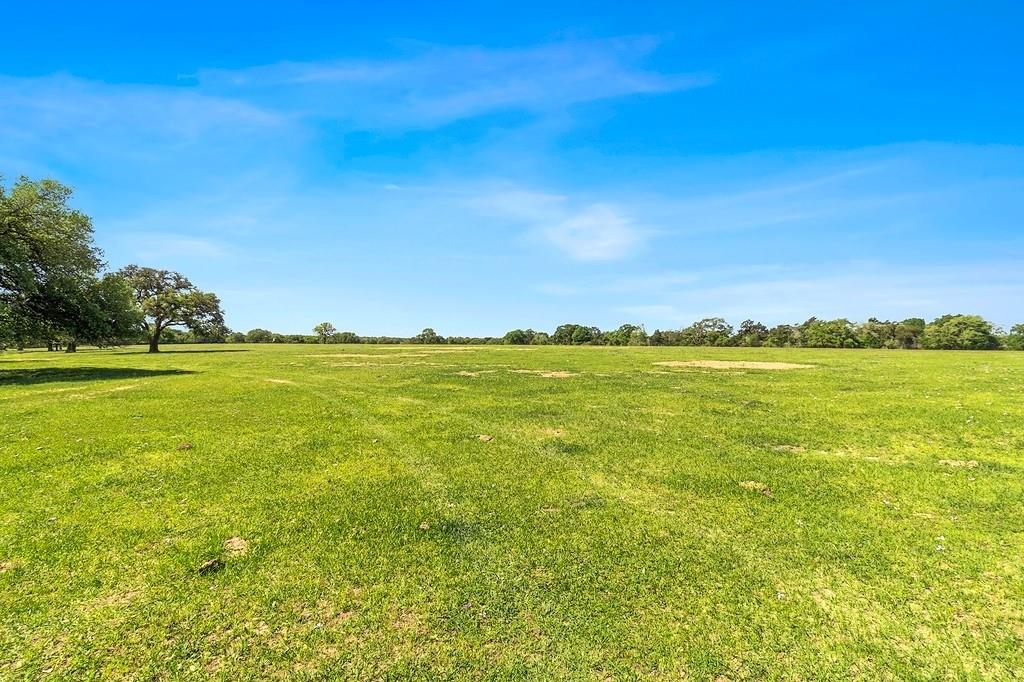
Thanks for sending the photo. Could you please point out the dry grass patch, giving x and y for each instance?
(959, 463)
(404, 354)
(236, 546)
(92, 394)
(547, 374)
(732, 364)
(757, 487)
(280, 381)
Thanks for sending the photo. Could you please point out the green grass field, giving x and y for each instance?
(511, 513)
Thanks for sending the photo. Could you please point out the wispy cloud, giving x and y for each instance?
(62, 105)
(598, 231)
(434, 85)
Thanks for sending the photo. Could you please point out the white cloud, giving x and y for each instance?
(598, 232)
(435, 85)
(62, 104)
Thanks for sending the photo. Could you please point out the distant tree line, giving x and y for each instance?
(949, 332)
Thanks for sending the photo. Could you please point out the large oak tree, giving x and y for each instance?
(169, 299)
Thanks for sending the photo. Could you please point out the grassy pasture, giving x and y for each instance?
(861, 518)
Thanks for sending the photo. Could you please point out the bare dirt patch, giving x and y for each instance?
(6, 566)
(485, 437)
(732, 364)
(789, 448)
(280, 381)
(552, 433)
(757, 487)
(467, 373)
(547, 374)
(959, 463)
(115, 599)
(236, 546)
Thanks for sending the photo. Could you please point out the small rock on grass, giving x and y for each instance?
(211, 566)
(485, 438)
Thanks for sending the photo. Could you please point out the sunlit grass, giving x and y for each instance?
(859, 518)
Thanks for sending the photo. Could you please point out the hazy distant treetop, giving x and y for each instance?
(325, 330)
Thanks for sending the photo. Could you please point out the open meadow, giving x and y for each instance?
(316, 511)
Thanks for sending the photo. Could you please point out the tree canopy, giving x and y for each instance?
(50, 282)
(324, 331)
(964, 332)
(168, 299)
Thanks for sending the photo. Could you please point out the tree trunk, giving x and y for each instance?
(49, 346)
(72, 347)
(154, 343)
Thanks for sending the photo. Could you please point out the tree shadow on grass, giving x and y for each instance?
(221, 350)
(46, 375)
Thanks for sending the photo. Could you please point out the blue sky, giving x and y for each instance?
(475, 168)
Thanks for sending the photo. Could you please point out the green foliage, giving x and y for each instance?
(582, 335)
(43, 242)
(428, 336)
(711, 331)
(518, 337)
(782, 336)
(751, 334)
(625, 335)
(909, 332)
(169, 299)
(839, 333)
(960, 332)
(106, 313)
(877, 333)
(575, 334)
(563, 334)
(1015, 339)
(50, 286)
(259, 336)
(324, 331)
